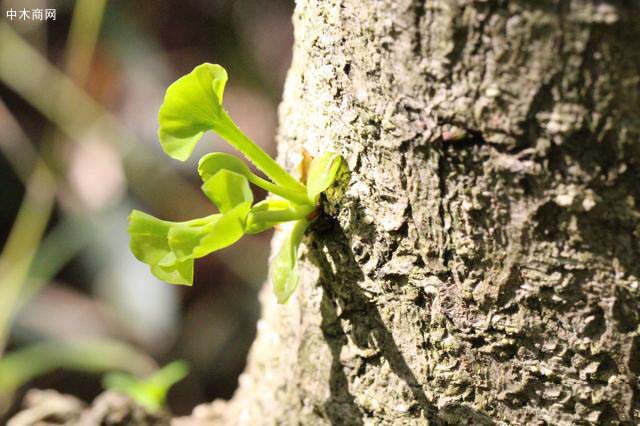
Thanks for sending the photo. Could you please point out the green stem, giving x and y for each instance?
(298, 231)
(23, 241)
(234, 136)
(274, 216)
(293, 196)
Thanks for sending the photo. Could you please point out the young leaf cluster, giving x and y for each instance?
(193, 106)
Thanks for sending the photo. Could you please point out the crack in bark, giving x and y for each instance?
(419, 11)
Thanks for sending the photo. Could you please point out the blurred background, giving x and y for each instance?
(79, 96)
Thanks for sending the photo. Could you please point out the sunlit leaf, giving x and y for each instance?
(284, 267)
(170, 247)
(150, 244)
(227, 190)
(184, 237)
(212, 163)
(192, 105)
(148, 237)
(174, 271)
(149, 392)
(194, 242)
(322, 173)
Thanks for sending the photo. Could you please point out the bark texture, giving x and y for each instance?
(480, 262)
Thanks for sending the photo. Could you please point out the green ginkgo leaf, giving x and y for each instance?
(284, 267)
(184, 239)
(174, 272)
(212, 163)
(192, 105)
(322, 173)
(148, 237)
(227, 190)
(150, 244)
(149, 392)
(169, 248)
(195, 242)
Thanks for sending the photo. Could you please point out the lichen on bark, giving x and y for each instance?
(480, 262)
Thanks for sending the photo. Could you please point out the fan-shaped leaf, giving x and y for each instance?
(212, 163)
(195, 242)
(150, 245)
(192, 105)
(227, 190)
(170, 247)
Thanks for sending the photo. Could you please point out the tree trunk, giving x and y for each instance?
(480, 263)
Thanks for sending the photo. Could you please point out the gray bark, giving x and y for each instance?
(480, 262)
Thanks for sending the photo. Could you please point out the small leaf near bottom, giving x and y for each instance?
(284, 267)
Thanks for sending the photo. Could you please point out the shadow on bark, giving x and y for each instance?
(349, 314)
(341, 408)
(365, 325)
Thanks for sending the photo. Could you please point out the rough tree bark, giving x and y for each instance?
(480, 263)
